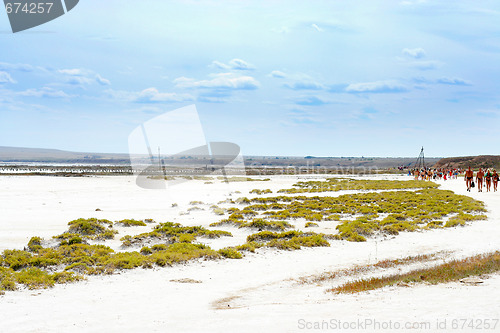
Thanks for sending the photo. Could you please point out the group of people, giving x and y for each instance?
(483, 176)
(434, 174)
(487, 176)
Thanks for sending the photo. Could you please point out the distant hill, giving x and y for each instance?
(475, 162)
(20, 154)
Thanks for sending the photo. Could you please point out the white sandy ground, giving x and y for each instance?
(256, 290)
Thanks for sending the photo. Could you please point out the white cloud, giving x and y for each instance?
(81, 76)
(315, 26)
(376, 87)
(311, 101)
(79, 80)
(305, 85)
(102, 81)
(6, 78)
(278, 74)
(17, 67)
(73, 72)
(426, 65)
(149, 95)
(416, 53)
(220, 81)
(221, 65)
(455, 81)
(234, 64)
(46, 92)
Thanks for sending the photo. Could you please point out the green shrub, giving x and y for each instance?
(218, 211)
(125, 260)
(249, 246)
(7, 279)
(231, 253)
(77, 267)
(268, 235)
(131, 223)
(88, 227)
(146, 250)
(35, 278)
(35, 244)
(159, 247)
(16, 259)
(66, 277)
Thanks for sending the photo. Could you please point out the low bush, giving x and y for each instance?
(131, 223)
(230, 253)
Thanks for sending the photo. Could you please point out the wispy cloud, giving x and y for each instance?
(235, 64)
(454, 81)
(81, 77)
(6, 78)
(16, 67)
(278, 74)
(426, 65)
(302, 117)
(149, 95)
(376, 87)
(304, 85)
(102, 81)
(224, 81)
(311, 101)
(45, 92)
(416, 53)
(316, 27)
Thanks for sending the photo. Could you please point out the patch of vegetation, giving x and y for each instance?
(218, 211)
(195, 208)
(341, 184)
(65, 263)
(289, 240)
(295, 243)
(362, 269)
(182, 252)
(96, 229)
(230, 253)
(443, 273)
(407, 211)
(260, 192)
(131, 223)
(249, 246)
(259, 223)
(35, 244)
(311, 224)
(170, 232)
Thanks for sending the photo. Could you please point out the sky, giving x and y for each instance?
(287, 78)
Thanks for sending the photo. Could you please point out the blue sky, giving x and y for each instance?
(324, 78)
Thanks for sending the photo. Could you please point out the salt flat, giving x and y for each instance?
(256, 289)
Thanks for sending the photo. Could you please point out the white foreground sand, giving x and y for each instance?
(255, 292)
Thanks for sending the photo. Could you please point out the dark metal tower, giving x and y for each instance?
(420, 163)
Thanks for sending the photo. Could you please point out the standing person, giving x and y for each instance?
(495, 180)
(469, 176)
(479, 180)
(487, 176)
